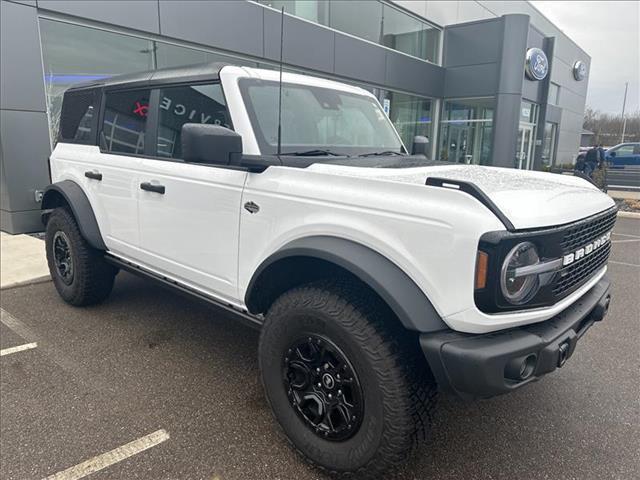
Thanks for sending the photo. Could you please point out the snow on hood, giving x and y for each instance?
(529, 199)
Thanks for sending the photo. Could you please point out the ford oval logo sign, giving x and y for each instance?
(537, 65)
(579, 71)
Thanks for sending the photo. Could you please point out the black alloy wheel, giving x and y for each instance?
(323, 388)
(62, 257)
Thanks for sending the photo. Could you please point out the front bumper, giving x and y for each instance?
(481, 366)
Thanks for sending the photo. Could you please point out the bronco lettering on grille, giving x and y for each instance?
(586, 250)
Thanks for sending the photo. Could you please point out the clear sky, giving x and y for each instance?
(609, 31)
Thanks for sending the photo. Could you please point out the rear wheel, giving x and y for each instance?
(351, 390)
(79, 272)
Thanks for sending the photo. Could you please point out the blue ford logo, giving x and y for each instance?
(579, 71)
(537, 65)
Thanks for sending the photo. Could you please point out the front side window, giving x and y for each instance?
(187, 104)
(125, 121)
(317, 118)
(624, 151)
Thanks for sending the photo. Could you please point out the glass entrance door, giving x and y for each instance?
(524, 147)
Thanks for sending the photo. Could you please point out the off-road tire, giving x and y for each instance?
(93, 277)
(398, 389)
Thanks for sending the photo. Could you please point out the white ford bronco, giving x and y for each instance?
(376, 276)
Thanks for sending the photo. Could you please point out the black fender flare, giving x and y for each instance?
(394, 286)
(80, 206)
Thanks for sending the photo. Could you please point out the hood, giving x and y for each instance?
(528, 199)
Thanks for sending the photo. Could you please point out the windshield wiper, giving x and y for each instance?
(377, 154)
(313, 153)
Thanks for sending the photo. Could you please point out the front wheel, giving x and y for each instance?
(79, 272)
(350, 389)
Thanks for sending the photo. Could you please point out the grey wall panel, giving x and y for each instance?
(471, 81)
(137, 14)
(406, 73)
(554, 114)
(472, 43)
(568, 51)
(532, 89)
(512, 58)
(24, 159)
(568, 140)
(21, 222)
(30, 3)
(571, 101)
(5, 198)
(305, 44)
(229, 25)
(562, 74)
(571, 121)
(505, 129)
(21, 81)
(361, 60)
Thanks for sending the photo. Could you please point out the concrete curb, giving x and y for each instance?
(31, 281)
(629, 215)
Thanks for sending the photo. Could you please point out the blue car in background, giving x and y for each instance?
(625, 154)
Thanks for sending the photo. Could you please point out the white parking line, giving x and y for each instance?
(107, 459)
(626, 241)
(626, 235)
(19, 348)
(624, 263)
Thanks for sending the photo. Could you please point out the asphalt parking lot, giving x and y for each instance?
(180, 379)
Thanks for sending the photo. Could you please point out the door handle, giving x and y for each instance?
(151, 187)
(93, 175)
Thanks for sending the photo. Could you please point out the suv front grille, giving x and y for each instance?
(585, 231)
(577, 236)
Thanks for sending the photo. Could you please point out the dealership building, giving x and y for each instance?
(488, 82)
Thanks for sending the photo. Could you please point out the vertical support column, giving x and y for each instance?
(24, 130)
(509, 91)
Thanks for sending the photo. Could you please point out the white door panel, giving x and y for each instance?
(191, 231)
(113, 198)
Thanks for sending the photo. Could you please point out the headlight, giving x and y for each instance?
(519, 283)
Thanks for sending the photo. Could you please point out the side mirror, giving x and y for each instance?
(420, 145)
(612, 154)
(214, 144)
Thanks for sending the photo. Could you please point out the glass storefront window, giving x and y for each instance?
(169, 55)
(376, 21)
(528, 112)
(73, 54)
(525, 141)
(549, 144)
(410, 115)
(466, 129)
(316, 11)
(361, 18)
(408, 34)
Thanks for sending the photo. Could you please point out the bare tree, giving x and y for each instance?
(607, 128)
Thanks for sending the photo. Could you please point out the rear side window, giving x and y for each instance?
(125, 121)
(187, 104)
(77, 120)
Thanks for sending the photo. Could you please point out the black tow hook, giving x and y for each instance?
(601, 309)
(563, 353)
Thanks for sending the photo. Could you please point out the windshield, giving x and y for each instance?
(317, 120)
